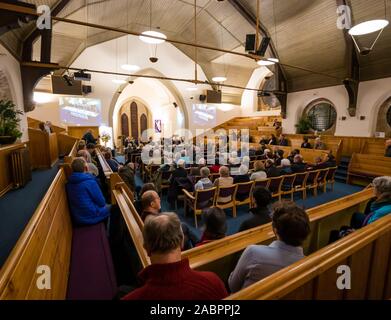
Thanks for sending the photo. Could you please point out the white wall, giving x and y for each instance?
(10, 66)
(371, 95)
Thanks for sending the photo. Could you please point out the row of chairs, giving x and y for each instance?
(241, 193)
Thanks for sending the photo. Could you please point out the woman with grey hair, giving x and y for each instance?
(380, 207)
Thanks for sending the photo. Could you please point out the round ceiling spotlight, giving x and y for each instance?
(130, 67)
(368, 27)
(275, 60)
(153, 40)
(219, 79)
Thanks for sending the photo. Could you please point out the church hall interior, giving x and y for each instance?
(195, 150)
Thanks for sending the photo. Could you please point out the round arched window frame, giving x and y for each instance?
(322, 115)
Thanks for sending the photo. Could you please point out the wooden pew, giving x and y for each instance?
(43, 148)
(374, 148)
(366, 252)
(66, 144)
(49, 240)
(364, 167)
(103, 163)
(132, 219)
(45, 241)
(221, 255)
(309, 155)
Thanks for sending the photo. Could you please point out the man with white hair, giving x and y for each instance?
(243, 175)
(319, 144)
(298, 164)
(286, 167)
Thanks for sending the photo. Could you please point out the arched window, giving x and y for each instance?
(322, 115)
(266, 99)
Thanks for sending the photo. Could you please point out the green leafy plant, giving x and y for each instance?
(105, 137)
(9, 119)
(303, 125)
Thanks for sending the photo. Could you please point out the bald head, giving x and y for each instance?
(150, 201)
(162, 234)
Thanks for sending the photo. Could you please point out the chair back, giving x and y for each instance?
(166, 174)
(322, 175)
(225, 192)
(331, 173)
(288, 181)
(205, 198)
(261, 183)
(243, 190)
(300, 178)
(275, 184)
(312, 176)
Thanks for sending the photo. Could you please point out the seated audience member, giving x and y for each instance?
(81, 145)
(271, 169)
(278, 156)
(283, 141)
(111, 162)
(267, 154)
(298, 164)
(264, 140)
(285, 167)
(259, 171)
(378, 208)
(195, 171)
(146, 187)
(215, 168)
(87, 157)
(150, 202)
(319, 144)
(224, 181)
(330, 161)
(234, 159)
(127, 173)
(215, 225)
(89, 138)
(388, 148)
(319, 164)
(291, 227)
(306, 144)
(91, 150)
(86, 201)
(261, 213)
(273, 140)
(291, 156)
(243, 175)
(204, 182)
(179, 172)
(184, 157)
(276, 124)
(169, 277)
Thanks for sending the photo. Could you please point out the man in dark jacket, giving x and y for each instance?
(283, 141)
(86, 201)
(127, 174)
(261, 213)
(388, 148)
(298, 164)
(271, 169)
(89, 138)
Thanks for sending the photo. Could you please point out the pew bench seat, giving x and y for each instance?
(91, 270)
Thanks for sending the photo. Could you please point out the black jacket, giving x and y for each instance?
(298, 167)
(89, 138)
(259, 217)
(273, 172)
(241, 178)
(388, 152)
(284, 142)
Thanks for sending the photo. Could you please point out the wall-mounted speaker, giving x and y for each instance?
(60, 86)
(86, 89)
(202, 97)
(213, 96)
(250, 43)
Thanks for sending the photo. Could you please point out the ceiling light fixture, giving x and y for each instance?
(219, 79)
(265, 62)
(368, 27)
(153, 40)
(119, 81)
(130, 67)
(275, 60)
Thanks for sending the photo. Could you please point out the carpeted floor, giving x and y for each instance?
(18, 206)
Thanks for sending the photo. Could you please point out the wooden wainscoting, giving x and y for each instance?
(43, 148)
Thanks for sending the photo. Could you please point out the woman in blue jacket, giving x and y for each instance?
(86, 201)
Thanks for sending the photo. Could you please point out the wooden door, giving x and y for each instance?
(134, 119)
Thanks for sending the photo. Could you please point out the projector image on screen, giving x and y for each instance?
(204, 114)
(80, 111)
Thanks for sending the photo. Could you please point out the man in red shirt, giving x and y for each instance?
(168, 277)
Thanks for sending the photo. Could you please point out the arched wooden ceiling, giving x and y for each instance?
(304, 33)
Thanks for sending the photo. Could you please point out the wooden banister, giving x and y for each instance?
(203, 255)
(105, 167)
(297, 275)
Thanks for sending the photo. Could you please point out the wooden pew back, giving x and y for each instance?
(46, 241)
(67, 144)
(366, 166)
(103, 163)
(43, 148)
(221, 255)
(309, 155)
(367, 254)
(376, 148)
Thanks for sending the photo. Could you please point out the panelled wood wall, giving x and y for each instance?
(43, 148)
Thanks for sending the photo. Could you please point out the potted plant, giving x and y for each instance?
(105, 138)
(9, 122)
(303, 126)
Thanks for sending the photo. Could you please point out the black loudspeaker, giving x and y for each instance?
(263, 47)
(250, 43)
(213, 96)
(202, 97)
(60, 86)
(86, 89)
(175, 104)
